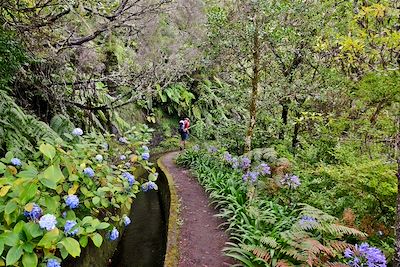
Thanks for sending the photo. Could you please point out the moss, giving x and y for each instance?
(172, 251)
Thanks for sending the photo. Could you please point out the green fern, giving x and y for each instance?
(20, 132)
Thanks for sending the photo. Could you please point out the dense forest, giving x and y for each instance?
(294, 106)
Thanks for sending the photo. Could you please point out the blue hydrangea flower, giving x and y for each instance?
(252, 176)
(145, 155)
(114, 234)
(127, 220)
(245, 163)
(149, 186)
(34, 214)
(16, 162)
(68, 228)
(307, 222)
(129, 177)
(89, 172)
(77, 132)
(48, 222)
(145, 148)
(292, 181)
(53, 263)
(99, 158)
(122, 157)
(264, 169)
(123, 140)
(72, 201)
(365, 255)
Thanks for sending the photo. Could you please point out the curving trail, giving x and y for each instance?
(200, 239)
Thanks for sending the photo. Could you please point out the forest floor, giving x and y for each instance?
(201, 240)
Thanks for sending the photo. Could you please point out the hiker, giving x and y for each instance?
(184, 126)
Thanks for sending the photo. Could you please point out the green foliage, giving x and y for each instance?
(20, 132)
(12, 56)
(265, 233)
(48, 175)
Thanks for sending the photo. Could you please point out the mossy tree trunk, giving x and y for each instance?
(255, 80)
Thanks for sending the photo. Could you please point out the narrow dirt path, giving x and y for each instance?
(200, 239)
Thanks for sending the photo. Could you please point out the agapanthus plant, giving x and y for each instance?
(290, 180)
(365, 255)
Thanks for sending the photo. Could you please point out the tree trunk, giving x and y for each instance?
(284, 116)
(254, 88)
(295, 139)
(396, 259)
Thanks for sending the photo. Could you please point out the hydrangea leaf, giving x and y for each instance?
(10, 207)
(4, 190)
(2, 168)
(28, 192)
(72, 246)
(49, 239)
(97, 239)
(83, 241)
(13, 255)
(53, 173)
(29, 173)
(48, 150)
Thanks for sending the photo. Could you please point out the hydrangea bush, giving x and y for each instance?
(56, 201)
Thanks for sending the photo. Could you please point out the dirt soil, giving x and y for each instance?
(200, 241)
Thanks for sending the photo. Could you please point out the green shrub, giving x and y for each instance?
(56, 181)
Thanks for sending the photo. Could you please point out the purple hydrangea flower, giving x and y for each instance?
(89, 172)
(114, 234)
(145, 155)
(77, 132)
(99, 158)
(129, 177)
(127, 220)
(122, 157)
(53, 263)
(48, 222)
(16, 162)
(68, 228)
(149, 186)
(34, 214)
(227, 157)
(72, 201)
(307, 222)
(245, 163)
(292, 181)
(123, 140)
(365, 255)
(264, 169)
